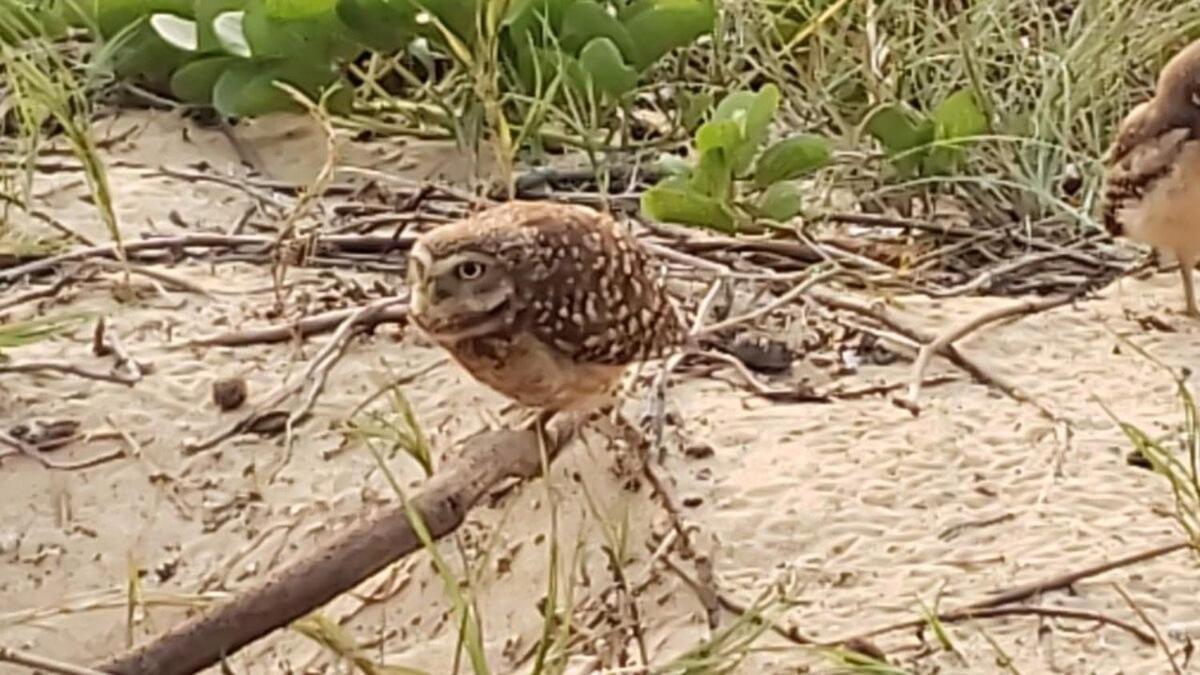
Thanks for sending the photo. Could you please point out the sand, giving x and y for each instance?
(857, 510)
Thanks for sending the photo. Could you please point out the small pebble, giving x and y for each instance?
(229, 393)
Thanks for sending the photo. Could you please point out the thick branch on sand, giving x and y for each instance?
(311, 582)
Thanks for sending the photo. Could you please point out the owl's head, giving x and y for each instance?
(458, 291)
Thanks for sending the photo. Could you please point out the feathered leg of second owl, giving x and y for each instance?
(1187, 266)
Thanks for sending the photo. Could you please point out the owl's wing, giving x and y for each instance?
(1137, 160)
(593, 293)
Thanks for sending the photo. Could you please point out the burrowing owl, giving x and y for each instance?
(1152, 191)
(545, 303)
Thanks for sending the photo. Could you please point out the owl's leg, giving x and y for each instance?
(654, 415)
(1187, 264)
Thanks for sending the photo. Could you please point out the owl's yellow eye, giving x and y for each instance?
(469, 270)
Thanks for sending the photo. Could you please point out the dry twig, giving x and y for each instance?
(308, 583)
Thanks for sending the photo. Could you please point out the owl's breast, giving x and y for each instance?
(534, 374)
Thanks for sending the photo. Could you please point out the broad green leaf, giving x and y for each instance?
(587, 20)
(381, 25)
(956, 118)
(137, 52)
(602, 61)
(114, 15)
(207, 12)
(664, 25)
(903, 135)
(673, 204)
(247, 89)
(458, 16)
(194, 81)
(176, 31)
(719, 134)
(320, 38)
(713, 177)
(782, 201)
(959, 116)
(895, 128)
(753, 113)
(298, 9)
(792, 158)
(229, 29)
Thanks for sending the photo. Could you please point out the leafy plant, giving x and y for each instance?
(230, 53)
(732, 180)
(933, 144)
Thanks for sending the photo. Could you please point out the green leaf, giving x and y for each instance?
(903, 136)
(137, 52)
(298, 9)
(318, 38)
(781, 202)
(895, 128)
(959, 116)
(670, 203)
(247, 88)
(713, 177)
(658, 26)
(229, 30)
(176, 31)
(792, 158)
(587, 20)
(753, 113)
(193, 82)
(207, 12)
(602, 61)
(114, 15)
(955, 119)
(381, 25)
(718, 134)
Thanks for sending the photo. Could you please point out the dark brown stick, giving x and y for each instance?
(307, 584)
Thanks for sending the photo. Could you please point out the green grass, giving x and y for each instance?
(43, 92)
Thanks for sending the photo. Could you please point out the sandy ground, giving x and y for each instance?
(857, 510)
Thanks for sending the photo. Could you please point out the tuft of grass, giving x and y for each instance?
(399, 428)
(725, 650)
(327, 633)
(43, 89)
(21, 333)
(851, 662)
(1181, 469)
(470, 626)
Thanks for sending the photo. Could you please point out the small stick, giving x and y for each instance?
(778, 302)
(66, 369)
(1025, 591)
(964, 329)
(308, 326)
(319, 366)
(47, 292)
(1153, 628)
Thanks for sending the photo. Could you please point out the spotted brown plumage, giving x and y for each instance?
(546, 303)
(1152, 177)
